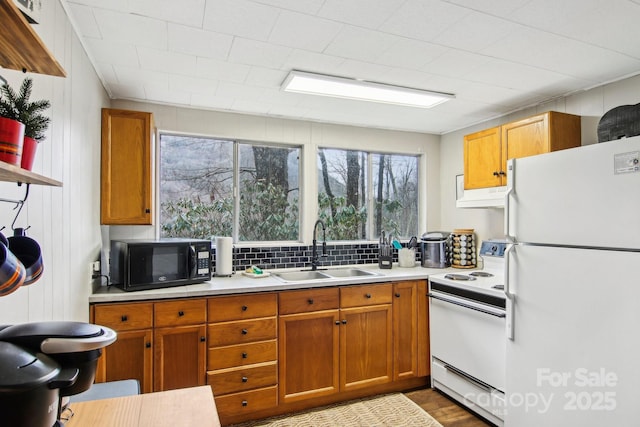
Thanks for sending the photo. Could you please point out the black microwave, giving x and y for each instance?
(137, 265)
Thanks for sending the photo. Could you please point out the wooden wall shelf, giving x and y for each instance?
(13, 173)
(20, 46)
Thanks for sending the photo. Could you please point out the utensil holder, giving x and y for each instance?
(385, 256)
(407, 257)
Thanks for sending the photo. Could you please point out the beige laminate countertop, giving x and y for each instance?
(239, 283)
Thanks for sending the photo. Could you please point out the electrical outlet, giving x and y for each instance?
(96, 266)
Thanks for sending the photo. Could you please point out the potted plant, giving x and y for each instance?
(16, 106)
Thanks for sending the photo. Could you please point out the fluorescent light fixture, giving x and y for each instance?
(340, 87)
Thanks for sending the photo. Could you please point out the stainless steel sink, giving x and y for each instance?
(297, 276)
(349, 272)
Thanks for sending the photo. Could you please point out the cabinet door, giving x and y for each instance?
(179, 357)
(126, 196)
(405, 330)
(524, 138)
(308, 355)
(129, 357)
(482, 160)
(366, 347)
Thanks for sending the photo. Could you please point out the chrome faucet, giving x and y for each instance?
(314, 252)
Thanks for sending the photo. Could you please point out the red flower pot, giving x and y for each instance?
(11, 140)
(28, 153)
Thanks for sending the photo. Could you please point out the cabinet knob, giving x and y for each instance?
(203, 339)
(495, 173)
(181, 313)
(245, 379)
(310, 300)
(344, 322)
(147, 345)
(397, 295)
(124, 318)
(367, 295)
(245, 332)
(245, 403)
(244, 308)
(337, 322)
(503, 173)
(244, 355)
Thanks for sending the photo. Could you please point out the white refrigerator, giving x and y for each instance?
(572, 281)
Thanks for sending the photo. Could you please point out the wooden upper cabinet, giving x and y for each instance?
(486, 152)
(126, 175)
(482, 159)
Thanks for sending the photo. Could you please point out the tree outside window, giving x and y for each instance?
(356, 203)
(197, 181)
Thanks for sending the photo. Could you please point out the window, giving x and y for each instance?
(361, 194)
(197, 181)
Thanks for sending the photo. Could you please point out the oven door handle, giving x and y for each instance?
(467, 304)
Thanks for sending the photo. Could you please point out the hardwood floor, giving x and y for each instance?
(444, 409)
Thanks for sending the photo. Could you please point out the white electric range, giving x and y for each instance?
(467, 333)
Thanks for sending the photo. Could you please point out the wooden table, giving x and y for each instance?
(186, 407)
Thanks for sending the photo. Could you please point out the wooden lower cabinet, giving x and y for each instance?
(179, 357)
(270, 353)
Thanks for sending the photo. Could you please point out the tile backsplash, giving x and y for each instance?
(274, 257)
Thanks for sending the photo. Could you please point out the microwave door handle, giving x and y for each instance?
(192, 261)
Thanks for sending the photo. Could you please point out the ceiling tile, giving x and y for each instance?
(361, 13)
(423, 19)
(125, 28)
(160, 93)
(475, 32)
(305, 6)
(455, 63)
(411, 54)
(85, 20)
(165, 61)
(265, 77)
(314, 62)
(135, 76)
(303, 31)
(221, 70)
(193, 85)
(360, 44)
(199, 42)
(242, 18)
(187, 12)
(251, 52)
(496, 7)
(114, 53)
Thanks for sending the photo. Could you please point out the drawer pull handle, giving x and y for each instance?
(124, 318)
(245, 332)
(344, 322)
(337, 322)
(245, 379)
(367, 295)
(245, 403)
(181, 313)
(397, 295)
(310, 300)
(244, 355)
(202, 339)
(147, 345)
(244, 308)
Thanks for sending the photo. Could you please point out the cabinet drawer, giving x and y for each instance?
(242, 331)
(357, 296)
(291, 302)
(222, 309)
(244, 378)
(241, 354)
(246, 402)
(124, 317)
(180, 312)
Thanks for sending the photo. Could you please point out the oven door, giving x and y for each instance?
(469, 336)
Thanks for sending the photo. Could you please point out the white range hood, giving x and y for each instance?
(492, 197)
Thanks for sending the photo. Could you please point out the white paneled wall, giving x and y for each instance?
(591, 105)
(64, 220)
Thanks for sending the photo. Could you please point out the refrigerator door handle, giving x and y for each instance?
(511, 298)
(507, 199)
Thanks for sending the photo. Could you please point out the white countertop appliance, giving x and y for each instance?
(573, 300)
(467, 323)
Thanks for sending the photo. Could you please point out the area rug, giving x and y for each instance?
(392, 410)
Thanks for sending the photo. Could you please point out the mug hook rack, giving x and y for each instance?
(19, 204)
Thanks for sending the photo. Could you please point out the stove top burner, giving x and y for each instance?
(463, 277)
(480, 274)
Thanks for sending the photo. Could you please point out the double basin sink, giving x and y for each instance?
(332, 273)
